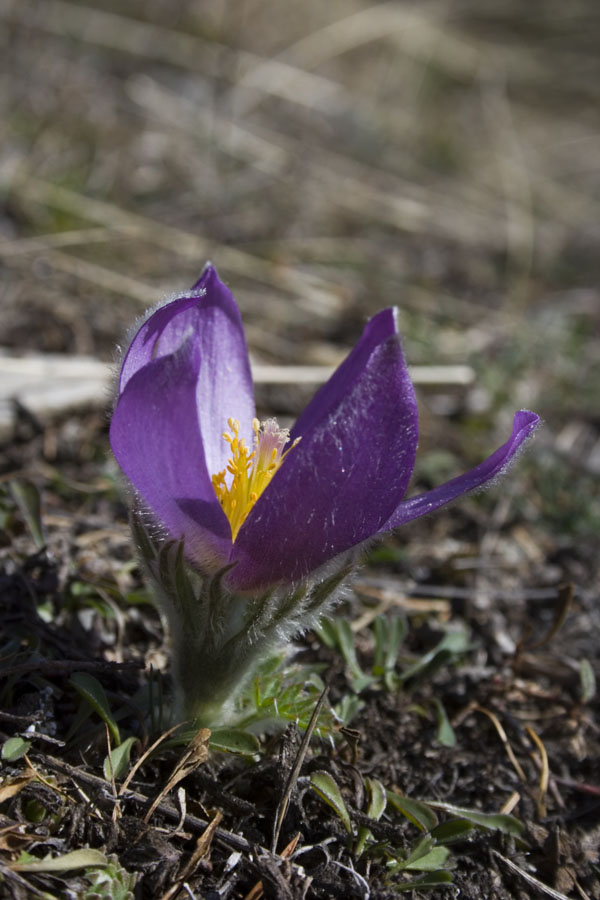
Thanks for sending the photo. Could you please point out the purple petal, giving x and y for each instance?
(224, 387)
(156, 439)
(333, 392)
(524, 425)
(341, 483)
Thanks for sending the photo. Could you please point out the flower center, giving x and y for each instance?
(251, 471)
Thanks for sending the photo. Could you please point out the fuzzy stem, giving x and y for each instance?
(207, 684)
(219, 638)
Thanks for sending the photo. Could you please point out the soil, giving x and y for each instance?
(516, 676)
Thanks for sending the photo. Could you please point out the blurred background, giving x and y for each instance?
(330, 159)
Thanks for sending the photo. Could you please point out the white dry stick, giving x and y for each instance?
(47, 384)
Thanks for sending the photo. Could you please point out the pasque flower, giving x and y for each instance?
(263, 507)
(184, 429)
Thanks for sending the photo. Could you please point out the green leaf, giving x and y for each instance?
(234, 740)
(91, 690)
(345, 642)
(348, 707)
(375, 809)
(489, 821)
(15, 748)
(451, 645)
(416, 812)
(453, 830)
(389, 633)
(116, 763)
(76, 859)
(445, 732)
(337, 633)
(327, 634)
(325, 786)
(35, 811)
(430, 880)
(27, 497)
(377, 798)
(111, 882)
(587, 681)
(435, 859)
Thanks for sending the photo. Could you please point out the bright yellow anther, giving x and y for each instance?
(251, 471)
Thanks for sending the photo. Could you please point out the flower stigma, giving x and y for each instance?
(251, 471)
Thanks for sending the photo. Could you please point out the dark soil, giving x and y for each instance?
(49, 631)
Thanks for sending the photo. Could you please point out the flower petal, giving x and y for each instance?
(343, 480)
(156, 439)
(524, 425)
(224, 387)
(378, 329)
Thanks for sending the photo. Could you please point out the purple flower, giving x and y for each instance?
(278, 506)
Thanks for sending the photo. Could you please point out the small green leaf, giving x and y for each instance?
(587, 681)
(348, 707)
(430, 880)
(325, 786)
(389, 634)
(451, 645)
(490, 821)
(424, 857)
(416, 812)
(345, 641)
(337, 632)
(76, 859)
(453, 830)
(377, 798)
(445, 732)
(327, 634)
(27, 497)
(233, 740)
(375, 809)
(91, 690)
(111, 882)
(431, 861)
(15, 748)
(35, 811)
(116, 763)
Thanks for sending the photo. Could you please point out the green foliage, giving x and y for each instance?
(488, 821)
(419, 814)
(587, 681)
(27, 497)
(116, 763)
(34, 811)
(429, 855)
(15, 748)
(68, 862)
(83, 595)
(281, 693)
(376, 803)
(388, 634)
(234, 740)
(326, 787)
(111, 882)
(425, 856)
(445, 732)
(90, 689)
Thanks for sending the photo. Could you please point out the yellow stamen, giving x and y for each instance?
(251, 471)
